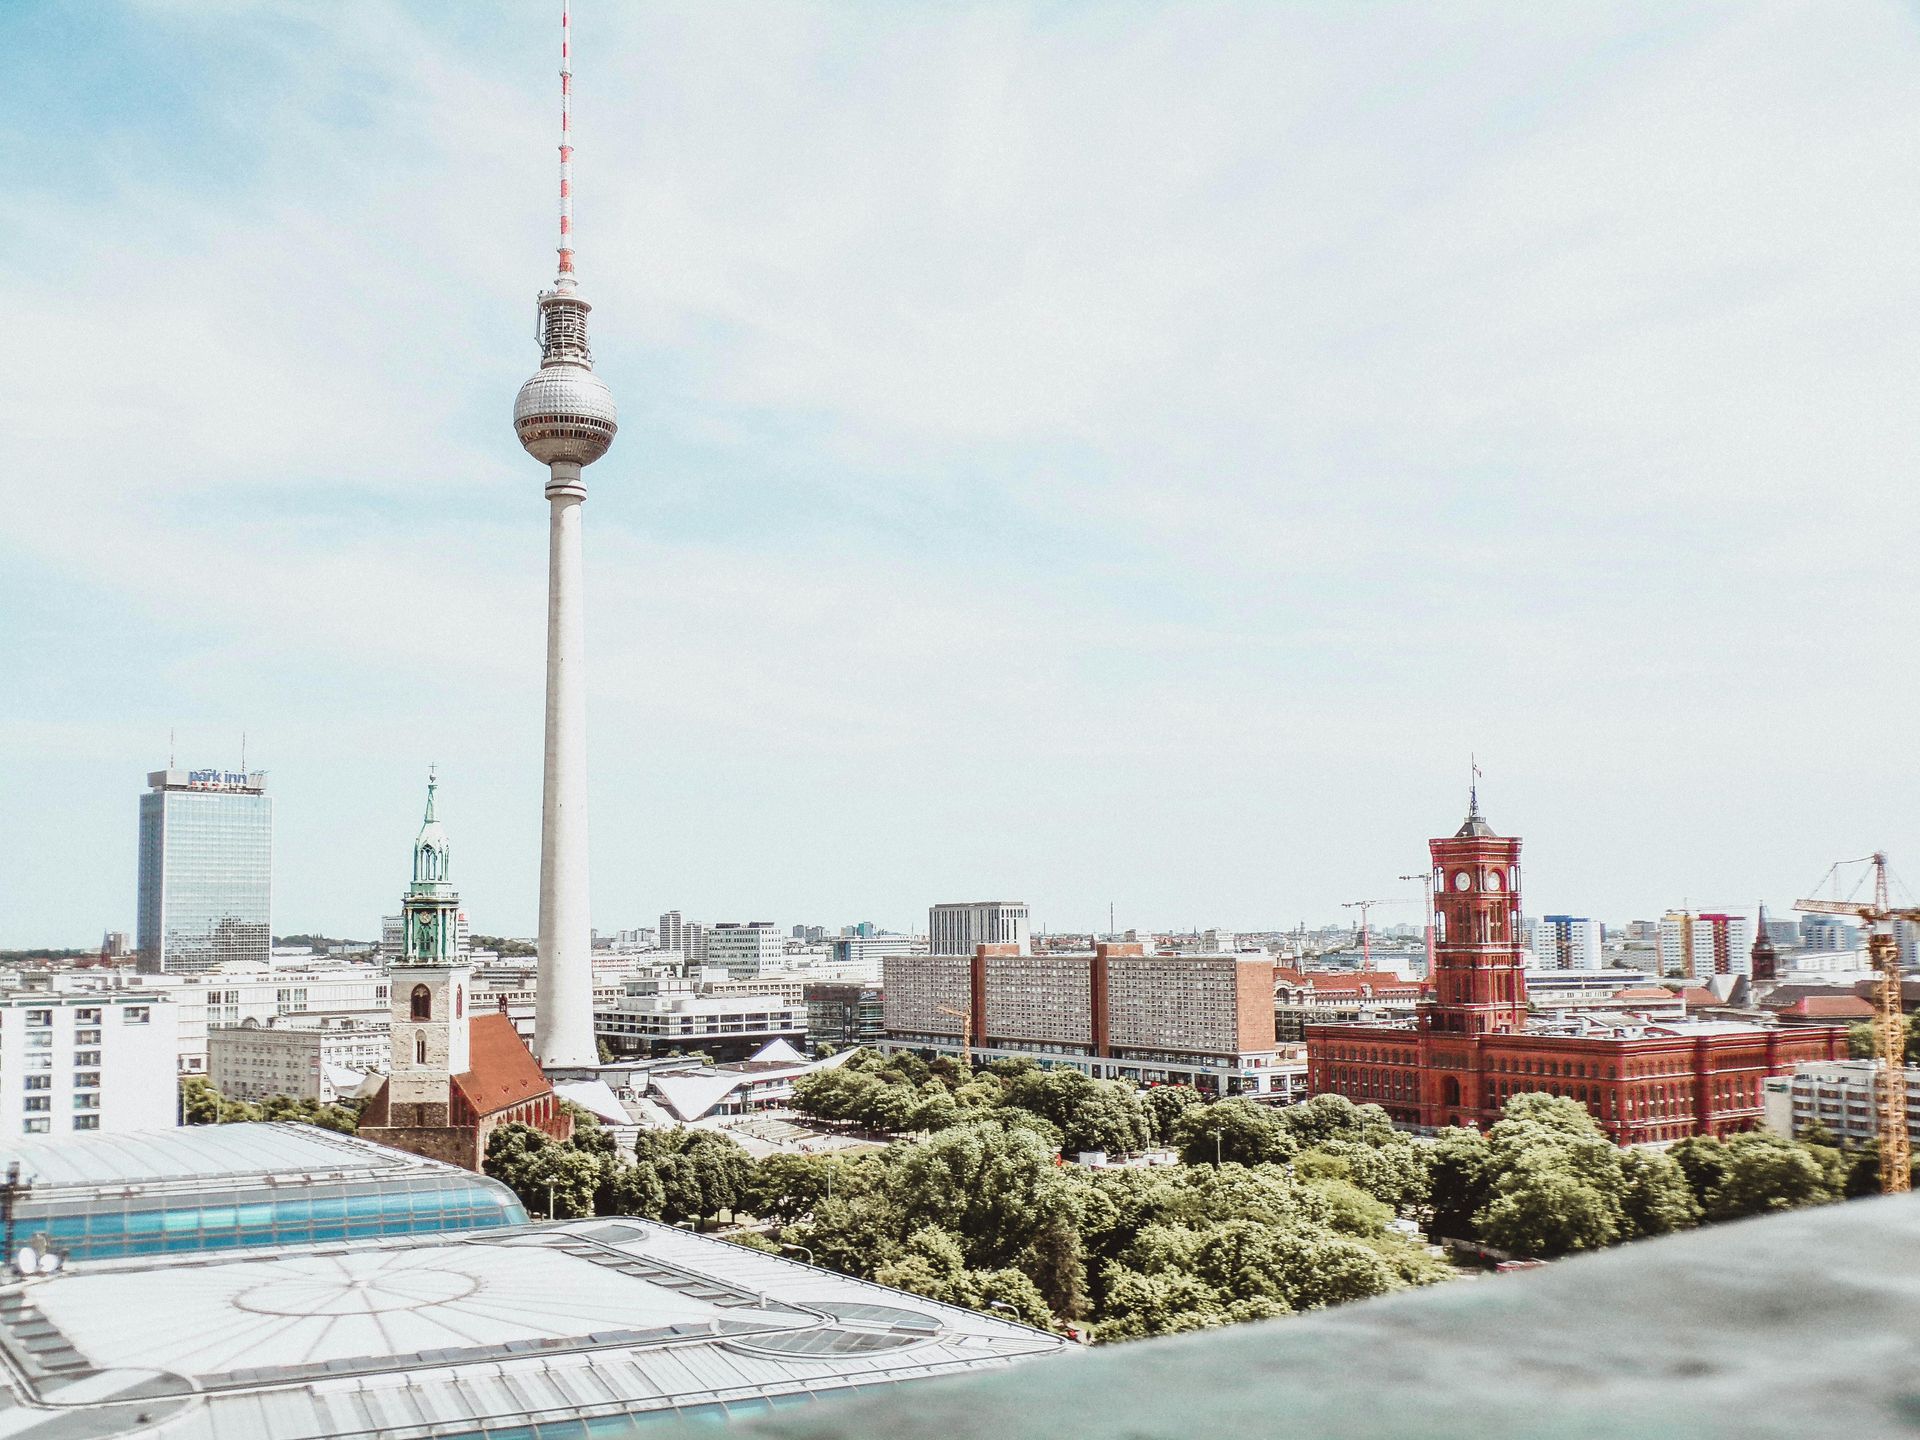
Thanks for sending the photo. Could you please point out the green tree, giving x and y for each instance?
(933, 1263)
(1090, 1114)
(1334, 1117)
(1557, 1183)
(199, 1101)
(1241, 1132)
(786, 1188)
(630, 1188)
(990, 1184)
(1657, 1199)
(1165, 1105)
(1459, 1180)
(1754, 1174)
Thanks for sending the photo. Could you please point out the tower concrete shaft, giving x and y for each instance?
(563, 1025)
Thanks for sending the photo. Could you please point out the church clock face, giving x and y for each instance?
(1462, 880)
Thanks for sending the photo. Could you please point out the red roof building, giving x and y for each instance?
(502, 1084)
(1473, 1045)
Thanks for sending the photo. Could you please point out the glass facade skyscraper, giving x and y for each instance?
(206, 861)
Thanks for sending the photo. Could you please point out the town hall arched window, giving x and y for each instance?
(422, 1003)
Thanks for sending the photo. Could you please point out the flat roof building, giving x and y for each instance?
(654, 1017)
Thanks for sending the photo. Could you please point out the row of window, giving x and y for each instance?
(41, 1125)
(90, 1015)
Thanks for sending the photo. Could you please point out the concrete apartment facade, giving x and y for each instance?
(305, 1059)
(1117, 1013)
(1840, 1095)
(78, 1062)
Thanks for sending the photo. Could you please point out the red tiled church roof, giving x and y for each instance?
(504, 1071)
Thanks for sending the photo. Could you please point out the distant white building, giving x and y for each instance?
(214, 999)
(87, 1061)
(303, 1059)
(860, 956)
(1568, 942)
(1696, 945)
(745, 949)
(656, 1017)
(1827, 932)
(955, 929)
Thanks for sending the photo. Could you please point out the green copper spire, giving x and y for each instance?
(431, 905)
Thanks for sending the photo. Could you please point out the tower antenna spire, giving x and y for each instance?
(566, 143)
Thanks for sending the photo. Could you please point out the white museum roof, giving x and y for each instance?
(446, 1336)
(202, 1152)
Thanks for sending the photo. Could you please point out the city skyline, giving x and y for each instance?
(1100, 462)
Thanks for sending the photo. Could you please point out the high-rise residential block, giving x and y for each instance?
(745, 949)
(671, 932)
(206, 871)
(958, 928)
(1568, 942)
(1696, 945)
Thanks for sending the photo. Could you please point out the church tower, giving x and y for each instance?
(1479, 986)
(429, 987)
(1766, 957)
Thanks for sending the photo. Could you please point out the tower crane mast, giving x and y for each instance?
(1889, 1021)
(1365, 907)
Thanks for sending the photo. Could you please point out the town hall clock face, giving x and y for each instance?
(1493, 880)
(1462, 880)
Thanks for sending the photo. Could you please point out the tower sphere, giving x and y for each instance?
(565, 413)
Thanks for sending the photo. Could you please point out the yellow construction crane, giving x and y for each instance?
(965, 1017)
(1889, 1022)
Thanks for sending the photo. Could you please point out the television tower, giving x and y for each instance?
(565, 418)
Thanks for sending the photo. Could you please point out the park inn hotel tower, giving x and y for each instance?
(565, 419)
(1474, 1044)
(206, 871)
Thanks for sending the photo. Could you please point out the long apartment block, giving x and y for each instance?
(1117, 1013)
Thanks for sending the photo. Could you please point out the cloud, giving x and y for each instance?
(1065, 448)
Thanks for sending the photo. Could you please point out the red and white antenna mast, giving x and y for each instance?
(566, 139)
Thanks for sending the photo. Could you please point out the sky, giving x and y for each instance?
(1089, 453)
